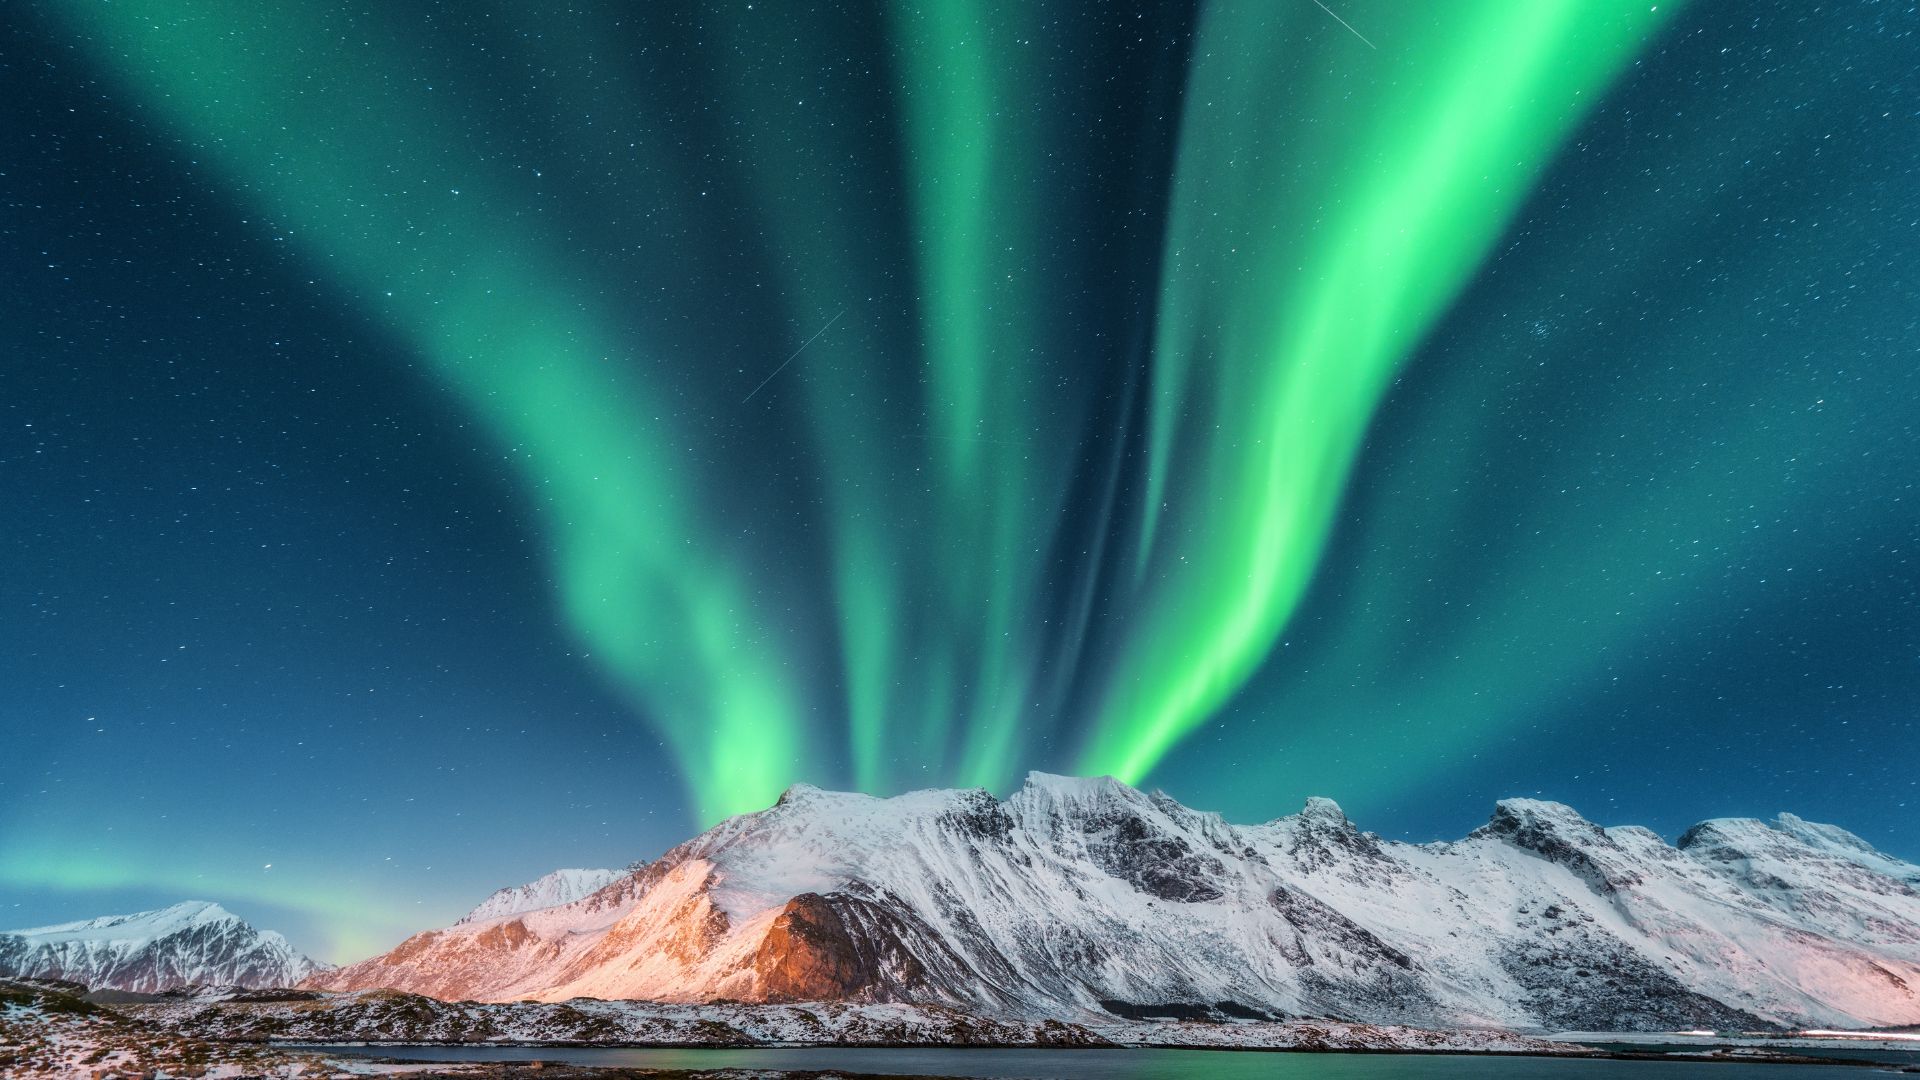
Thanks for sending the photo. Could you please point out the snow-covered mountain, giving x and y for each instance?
(551, 890)
(191, 943)
(1077, 897)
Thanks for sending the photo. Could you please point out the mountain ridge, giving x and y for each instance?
(195, 942)
(1080, 895)
(548, 890)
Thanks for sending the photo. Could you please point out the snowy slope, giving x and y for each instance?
(552, 890)
(190, 943)
(1079, 897)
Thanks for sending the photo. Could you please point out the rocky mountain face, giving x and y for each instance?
(1076, 898)
(186, 944)
(551, 890)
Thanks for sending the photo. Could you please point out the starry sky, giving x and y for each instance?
(441, 442)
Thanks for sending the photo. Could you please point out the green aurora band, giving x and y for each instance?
(1308, 258)
(1729, 484)
(488, 304)
(1328, 202)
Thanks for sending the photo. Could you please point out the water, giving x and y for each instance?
(980, 1064)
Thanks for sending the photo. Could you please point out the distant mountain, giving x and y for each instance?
(1080, 897)
(191, 943)
(559, 887)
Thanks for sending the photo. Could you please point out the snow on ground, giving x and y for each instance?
(383, 1017)
(47, 1033)
(1794, 1040)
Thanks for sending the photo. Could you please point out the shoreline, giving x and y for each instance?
(385, 1020)
(1574, 1050)
(48, 1035)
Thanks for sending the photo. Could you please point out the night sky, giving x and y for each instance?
(444, 442)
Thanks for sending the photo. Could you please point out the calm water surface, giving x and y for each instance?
(1126, 1064)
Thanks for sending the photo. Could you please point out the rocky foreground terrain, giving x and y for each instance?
(384, 1016)
(50, 1030)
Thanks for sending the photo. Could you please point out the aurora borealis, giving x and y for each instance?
(1481, 399)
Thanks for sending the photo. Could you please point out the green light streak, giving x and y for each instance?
(362, 169)
(840, 390)
(937, 505)
(971, 158)
(1329, 203)
(1335, 260)
(356, 921)
(1646, 533)
(951, 108)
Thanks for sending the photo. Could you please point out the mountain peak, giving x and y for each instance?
(140, 923)
(798, 791)
(548, 890)
(1324, 811)
(1072, 796)
(192, 942)
(1815, 834)
(1729, 837)
(197, 910)
(1738, 840)
(1527, 822)
(1055, 783)
(1541, 810)
(1557, 833)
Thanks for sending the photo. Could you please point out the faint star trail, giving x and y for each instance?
(1345, 23)
(794, 356)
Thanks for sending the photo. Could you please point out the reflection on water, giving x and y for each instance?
(975, 1064)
